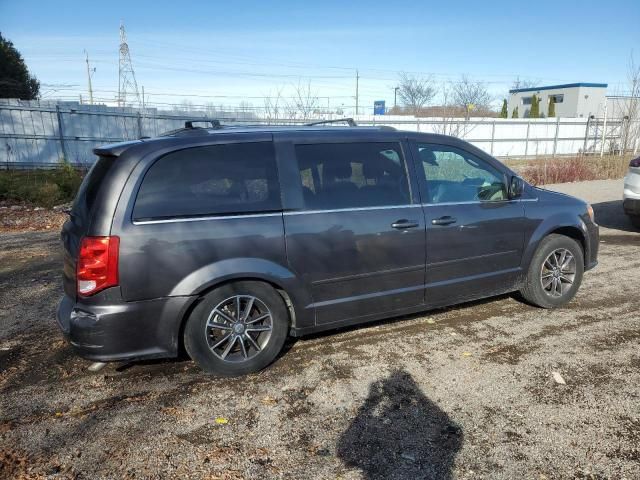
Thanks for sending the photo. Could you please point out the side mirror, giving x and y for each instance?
(516, 186)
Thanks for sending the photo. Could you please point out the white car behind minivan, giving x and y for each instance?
(631, 194)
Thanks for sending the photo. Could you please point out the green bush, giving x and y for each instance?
(43, 188)
(68, 179)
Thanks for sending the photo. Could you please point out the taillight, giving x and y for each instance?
(635, 162)
(97, 264)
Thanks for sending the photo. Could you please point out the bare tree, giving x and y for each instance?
(304, 101)
(451, 114)
(415, 92)
(447, 113)
(273, 106)
(471, 95)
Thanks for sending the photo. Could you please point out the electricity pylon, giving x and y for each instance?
(127, 85)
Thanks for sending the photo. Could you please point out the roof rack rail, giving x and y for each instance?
(214, 123)
(190, 128)
(349, 121)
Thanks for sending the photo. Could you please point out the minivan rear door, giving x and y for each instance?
(354, 233)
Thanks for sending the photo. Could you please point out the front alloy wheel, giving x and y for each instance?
(555, 272)
(558, 272)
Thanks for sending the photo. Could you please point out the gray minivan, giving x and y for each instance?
(225, 240)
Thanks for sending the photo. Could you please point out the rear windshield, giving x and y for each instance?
(211, 180)
(86, 197)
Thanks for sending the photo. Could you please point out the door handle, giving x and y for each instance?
(446, 220)
(402, 224)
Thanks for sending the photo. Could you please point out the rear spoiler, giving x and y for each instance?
(115, 149)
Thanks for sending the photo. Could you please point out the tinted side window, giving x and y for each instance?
(91, 183)
(349, 175)
(454, 175)
(211, 180)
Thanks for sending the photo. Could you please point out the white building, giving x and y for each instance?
(572, 100)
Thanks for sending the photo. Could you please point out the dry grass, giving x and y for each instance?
(547, 170)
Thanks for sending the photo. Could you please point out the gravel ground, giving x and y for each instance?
(466, 392)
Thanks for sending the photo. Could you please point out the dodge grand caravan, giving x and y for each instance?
(225, 240)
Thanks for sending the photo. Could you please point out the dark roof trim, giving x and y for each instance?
(553, 87)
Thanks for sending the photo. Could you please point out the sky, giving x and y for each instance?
(231, 52)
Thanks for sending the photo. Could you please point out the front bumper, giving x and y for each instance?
(121, 330)
(592, 244)
(631, 206)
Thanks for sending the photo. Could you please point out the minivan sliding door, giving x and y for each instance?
(357, 240)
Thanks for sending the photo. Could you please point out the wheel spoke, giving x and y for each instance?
(220, 342)
(547, 282)
(259, 328)
(257, 319)
(223, 315)
(238, 311)
(229, 347)
(247, 309)
(242, 346)
(253, 342)
(563, 255)
(219, 326)
(566, 279)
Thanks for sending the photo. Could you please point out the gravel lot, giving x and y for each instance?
(466, 392)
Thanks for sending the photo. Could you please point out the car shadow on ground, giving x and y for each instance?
(400, 433)
(611, 215)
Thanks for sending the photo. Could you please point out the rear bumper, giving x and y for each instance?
(122, 330)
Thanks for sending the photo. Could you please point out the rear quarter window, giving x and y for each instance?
(88, 191)
(211, 180)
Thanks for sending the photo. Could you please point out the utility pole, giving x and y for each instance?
(357, 85)
(127, 84)
(395, 96)
(143, 98)
(89, 78)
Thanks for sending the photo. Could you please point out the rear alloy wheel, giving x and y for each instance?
(555, 272)
(236, 329)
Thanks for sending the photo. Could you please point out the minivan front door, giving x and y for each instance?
(358, 241)
(475, 233)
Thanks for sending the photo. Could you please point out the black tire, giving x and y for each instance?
(534, 291)
(635, 220)
(199, 338)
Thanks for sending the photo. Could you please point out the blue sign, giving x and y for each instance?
(378, 107)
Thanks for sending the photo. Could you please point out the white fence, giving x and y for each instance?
(40, 136)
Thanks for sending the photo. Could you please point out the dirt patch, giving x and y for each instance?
(26, 218)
